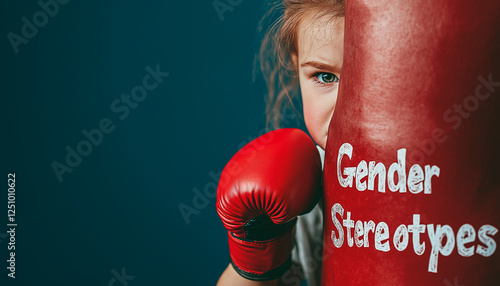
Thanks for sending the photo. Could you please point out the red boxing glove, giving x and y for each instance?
(262, 189)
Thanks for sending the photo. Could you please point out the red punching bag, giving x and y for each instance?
(412, 192)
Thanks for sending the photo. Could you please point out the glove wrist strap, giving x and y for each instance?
(262, 260)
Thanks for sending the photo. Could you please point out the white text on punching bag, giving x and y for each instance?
(417, 180)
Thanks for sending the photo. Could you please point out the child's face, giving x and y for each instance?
(320, 54)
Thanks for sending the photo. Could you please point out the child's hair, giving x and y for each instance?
(279, 44)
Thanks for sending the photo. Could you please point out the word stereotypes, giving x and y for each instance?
(359, 233)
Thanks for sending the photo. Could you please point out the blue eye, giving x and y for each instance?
(325, 77)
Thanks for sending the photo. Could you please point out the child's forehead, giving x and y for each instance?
(315, 32)
(320, 27)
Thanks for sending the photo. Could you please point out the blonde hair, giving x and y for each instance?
(277, 48)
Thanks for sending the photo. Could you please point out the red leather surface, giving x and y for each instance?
(277, 174)
(259, 257)
(420, 84)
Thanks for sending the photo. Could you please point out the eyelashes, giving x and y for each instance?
(324, 78)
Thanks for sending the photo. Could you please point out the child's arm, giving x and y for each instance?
(231, 278)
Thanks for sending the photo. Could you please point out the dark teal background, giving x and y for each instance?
(119, 208)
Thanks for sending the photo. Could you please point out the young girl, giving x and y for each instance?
(303, 48)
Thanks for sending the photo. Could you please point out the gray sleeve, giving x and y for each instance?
(308, 248)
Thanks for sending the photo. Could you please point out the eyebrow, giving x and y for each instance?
(319, 65)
